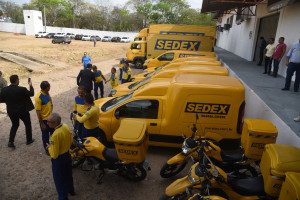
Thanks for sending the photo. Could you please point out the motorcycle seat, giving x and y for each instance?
(248, 187)
(110, 154)
(232, 156)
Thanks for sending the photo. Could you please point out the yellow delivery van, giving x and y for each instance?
(168, 73)
(169, 107)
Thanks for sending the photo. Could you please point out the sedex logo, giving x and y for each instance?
(208, 108)
(177, 45)
(128, 152)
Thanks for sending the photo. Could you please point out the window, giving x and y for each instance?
(28, 17)
(135, 46)
(166, 57)
(116, 101)
(147, 109)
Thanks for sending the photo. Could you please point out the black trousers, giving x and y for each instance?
(15, 120)
(268, 64)
(261, 57)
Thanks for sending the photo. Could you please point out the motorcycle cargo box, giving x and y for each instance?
(276, 160)
(131, 140)
(290, 187)
(255, 135)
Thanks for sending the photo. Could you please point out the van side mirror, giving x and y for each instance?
(117, 114)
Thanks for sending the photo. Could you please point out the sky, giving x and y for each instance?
(193, 3)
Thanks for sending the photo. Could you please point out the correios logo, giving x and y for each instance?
(177, 45)
(207, 108)
(128, 152)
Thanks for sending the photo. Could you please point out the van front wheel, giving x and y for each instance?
(168, 171)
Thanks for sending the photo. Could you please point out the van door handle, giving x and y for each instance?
(153, 124)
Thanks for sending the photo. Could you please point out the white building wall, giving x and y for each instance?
(33, 21)
(241, 39)
(8, 27)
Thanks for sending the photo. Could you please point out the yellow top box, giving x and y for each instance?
(131, 131)
(261, 126)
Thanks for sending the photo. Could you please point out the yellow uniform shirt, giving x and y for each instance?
(43, 104)
(114, 80)
(98, 77)
(60, 141)
(121, 64)
(90, 118)
(79, 105)
(126, 73)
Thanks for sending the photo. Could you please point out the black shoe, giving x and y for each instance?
(258, 64)
(29, 142)
(264, 72)
(269, 73)
(11, 145)
(285, 89)
(274, 75)
(295, 90)
(72, 193)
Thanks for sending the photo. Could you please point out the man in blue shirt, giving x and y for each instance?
(262, 47)
(293, 64)
(86, 60)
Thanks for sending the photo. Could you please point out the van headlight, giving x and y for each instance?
(113, 92)
(190, 178)
(145, 71)
(185, 148)
(147, 61)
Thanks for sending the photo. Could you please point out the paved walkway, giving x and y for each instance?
(286, 104)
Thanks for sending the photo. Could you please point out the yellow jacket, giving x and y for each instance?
(114, 81)
(90, 118)
(60, 141)
(126, 73)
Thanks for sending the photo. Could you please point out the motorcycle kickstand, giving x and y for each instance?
(100, 177)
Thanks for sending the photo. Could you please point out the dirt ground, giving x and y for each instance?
(25, 173)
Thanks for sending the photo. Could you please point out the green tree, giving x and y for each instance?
(13, 11)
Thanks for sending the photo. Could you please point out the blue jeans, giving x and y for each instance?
(276, 66)
(124, 81)
(121, 74)
(62, 175)
(292, 67)
(96, 132)
(96, 86)
(46, 133)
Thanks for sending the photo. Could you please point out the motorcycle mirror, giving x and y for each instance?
(117, 114)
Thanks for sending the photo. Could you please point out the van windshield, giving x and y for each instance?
(159, 68)
(133, 85)
(116, 101)
(152, 73)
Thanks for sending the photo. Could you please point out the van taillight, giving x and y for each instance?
(241, 118)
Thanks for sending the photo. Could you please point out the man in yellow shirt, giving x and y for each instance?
(90, 120)
(268, 53)
(98, 82)
(80, 108)
(126, 73)
(114, 80)
(44, 107)
(59, 146)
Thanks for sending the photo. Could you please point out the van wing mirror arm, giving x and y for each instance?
(117, 114)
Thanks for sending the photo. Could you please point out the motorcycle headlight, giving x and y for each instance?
(185, 148)
(190, 178)
(113, 92)
(147, 61)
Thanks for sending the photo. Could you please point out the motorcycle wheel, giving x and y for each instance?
(135, 172)
(168, 171)
(77, 161)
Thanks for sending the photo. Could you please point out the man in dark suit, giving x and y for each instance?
(85, 78)
(18, 104)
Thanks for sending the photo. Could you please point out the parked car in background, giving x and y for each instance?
(71, 35)
(86, 38)
(61, 39)
(125, 39)
(95, 36)
(41, 34)
(116, 39)
(50, 35)
(59, 35)
(78, 37)
(106, 39)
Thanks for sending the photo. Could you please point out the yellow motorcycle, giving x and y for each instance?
(127, 160)
(277, 160)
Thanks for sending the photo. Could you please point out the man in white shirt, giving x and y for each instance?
(268, 53)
